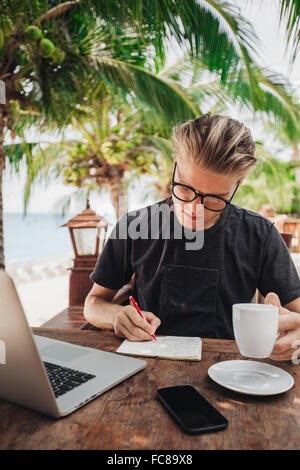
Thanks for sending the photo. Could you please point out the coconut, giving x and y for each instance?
(58, 56)
(33, 33)
(121, 145)
(137, 141)
(141, 160)
(47, 47)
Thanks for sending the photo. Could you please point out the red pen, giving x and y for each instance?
(139, 311)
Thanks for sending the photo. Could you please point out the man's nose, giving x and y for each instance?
(194, 206)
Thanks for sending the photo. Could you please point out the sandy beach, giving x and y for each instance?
(42, 268)
(43, 286)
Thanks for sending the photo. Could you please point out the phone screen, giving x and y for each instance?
(192, 411)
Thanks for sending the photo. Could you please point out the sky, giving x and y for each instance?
(264, 17)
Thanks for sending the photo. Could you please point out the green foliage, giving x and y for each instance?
(65, 63)
(201, 27)
(272, 97)
(273, 181)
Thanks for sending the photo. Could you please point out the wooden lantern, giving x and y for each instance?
(88, 232)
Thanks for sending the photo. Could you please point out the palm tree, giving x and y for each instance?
(51, 53)
(98, 156)
(101, 154)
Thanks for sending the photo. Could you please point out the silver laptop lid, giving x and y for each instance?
(23, 379)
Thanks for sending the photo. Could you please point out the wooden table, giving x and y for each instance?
(70, 317)
(129, 416)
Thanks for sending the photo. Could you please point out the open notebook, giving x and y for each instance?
(167, 347)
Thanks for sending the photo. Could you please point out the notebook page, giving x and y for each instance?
(172, 347)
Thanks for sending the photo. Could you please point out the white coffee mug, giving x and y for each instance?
(255, 328)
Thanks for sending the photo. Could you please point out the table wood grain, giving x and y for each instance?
(70, 317)
(130, 417)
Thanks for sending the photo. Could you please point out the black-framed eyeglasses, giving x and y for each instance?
(212, 202)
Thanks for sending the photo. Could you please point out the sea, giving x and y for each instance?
(35, 236)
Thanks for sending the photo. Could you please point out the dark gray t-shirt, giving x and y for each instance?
(192, 291)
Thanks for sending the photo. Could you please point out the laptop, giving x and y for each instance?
(50, 376)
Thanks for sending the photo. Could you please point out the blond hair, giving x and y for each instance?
(217, 143)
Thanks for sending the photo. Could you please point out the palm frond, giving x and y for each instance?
(14, 153)
(78, 195)
(273, 96)
(39, 164)
(213, 30)
(169, 103)
(290, 12)
(163, 145)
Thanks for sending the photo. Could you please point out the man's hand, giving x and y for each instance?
(129, 324)
(288, 328)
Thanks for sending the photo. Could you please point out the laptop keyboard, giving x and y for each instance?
(63, 379)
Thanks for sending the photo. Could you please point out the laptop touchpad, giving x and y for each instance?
(63, 352)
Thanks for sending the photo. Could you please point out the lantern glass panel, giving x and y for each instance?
(85, 240)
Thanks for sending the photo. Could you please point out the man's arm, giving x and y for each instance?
(98, 309)
(278, 272)
(124, 320)
(288, 327)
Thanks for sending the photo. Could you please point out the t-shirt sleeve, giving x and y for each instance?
(278, 273)
(113, 267)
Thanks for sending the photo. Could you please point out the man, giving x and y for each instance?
(186, 291)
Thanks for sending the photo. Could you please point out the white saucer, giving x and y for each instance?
(251, 377)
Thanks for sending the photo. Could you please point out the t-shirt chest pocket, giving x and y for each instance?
(189, 300)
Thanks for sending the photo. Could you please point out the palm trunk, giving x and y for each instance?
(119, 198)
(117, 193)
(55, 11)
(2, 165)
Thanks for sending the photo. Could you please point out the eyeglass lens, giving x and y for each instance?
(187, 195)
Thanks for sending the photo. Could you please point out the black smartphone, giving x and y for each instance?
(191, 411)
